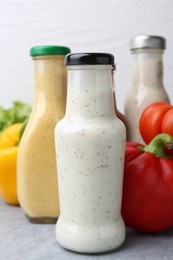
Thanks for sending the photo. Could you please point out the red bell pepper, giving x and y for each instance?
(147, 203)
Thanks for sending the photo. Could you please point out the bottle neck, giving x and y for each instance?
(90, 91)
(147, 68)
(50, 78)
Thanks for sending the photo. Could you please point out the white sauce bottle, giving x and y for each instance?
(147, 81)
(90, 144)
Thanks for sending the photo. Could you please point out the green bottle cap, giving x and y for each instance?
(49, 50)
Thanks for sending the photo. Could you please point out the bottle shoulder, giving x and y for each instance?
(107, 124)
(144, 95)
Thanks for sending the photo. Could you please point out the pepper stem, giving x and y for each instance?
(156, 146)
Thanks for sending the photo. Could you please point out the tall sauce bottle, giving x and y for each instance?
(36, 167)
(147, 81)
(90, 144)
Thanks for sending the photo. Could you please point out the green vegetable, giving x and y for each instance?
(18, 113)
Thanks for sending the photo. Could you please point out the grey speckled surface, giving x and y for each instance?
(20, 240)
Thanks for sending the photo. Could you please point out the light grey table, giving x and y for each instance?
(21, 240)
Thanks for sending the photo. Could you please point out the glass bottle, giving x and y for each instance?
(147, 81)
(36, 167)
(90, 144)
(117, 112)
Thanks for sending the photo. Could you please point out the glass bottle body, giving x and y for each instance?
(147, 87)
(37, 177)
(90, 143)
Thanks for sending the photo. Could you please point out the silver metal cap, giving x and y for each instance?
(147, 41)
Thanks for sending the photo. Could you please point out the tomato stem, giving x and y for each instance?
(156, 146)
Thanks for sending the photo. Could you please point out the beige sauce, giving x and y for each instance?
(37, 177)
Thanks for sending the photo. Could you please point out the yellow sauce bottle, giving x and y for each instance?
(36, 167)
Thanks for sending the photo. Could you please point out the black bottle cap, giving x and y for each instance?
(89, 59)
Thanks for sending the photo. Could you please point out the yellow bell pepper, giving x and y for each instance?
(8, 160)
(10, 136)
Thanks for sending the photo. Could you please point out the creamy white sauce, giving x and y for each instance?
(90, 144)
(147, 87)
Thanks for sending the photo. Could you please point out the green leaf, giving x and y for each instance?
(18, 113)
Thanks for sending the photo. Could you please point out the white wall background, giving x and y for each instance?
(83, 25)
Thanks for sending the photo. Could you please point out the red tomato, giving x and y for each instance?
(167, 122)
(156, 118)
